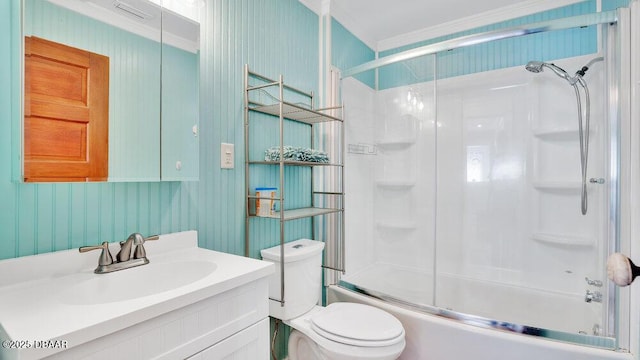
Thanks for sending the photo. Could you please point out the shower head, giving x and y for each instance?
(536, 67)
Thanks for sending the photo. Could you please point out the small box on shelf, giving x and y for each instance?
(266, 201)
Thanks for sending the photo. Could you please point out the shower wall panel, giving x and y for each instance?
(404, 177)
(360, 162)
(390, 185)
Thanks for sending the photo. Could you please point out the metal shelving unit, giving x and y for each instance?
(282, 111)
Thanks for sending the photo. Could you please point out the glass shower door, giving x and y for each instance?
(512, 244)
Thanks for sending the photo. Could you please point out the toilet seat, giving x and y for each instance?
(334, 346)
(357, 325)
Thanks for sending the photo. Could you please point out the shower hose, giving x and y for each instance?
(583, 133)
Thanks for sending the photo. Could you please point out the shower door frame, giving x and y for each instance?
(615, 41)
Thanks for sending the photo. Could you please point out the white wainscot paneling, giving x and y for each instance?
(232, 325)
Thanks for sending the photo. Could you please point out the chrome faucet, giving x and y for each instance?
(123, 259)
(125, 248)
(593, 296)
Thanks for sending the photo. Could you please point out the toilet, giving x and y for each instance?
(340, 330)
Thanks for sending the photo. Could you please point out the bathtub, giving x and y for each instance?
(516, 304)
(432, 337)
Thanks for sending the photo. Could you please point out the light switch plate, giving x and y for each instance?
(226, 156)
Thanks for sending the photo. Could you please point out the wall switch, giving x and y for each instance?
(226, 156)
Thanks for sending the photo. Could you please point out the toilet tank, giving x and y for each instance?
(302, 277)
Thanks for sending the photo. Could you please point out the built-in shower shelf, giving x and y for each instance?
(403, 226)
(563, 239)
(557, 186)
(557, 134)
(396, 184)
(396, 143)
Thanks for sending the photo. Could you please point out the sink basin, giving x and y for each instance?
(141, 281)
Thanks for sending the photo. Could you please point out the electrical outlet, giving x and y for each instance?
(226, 156)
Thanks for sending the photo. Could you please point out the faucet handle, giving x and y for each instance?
(152, 237)
(105, 256)
(140, 252)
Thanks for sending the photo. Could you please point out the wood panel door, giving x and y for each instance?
(66, 121)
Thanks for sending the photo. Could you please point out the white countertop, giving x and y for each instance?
(57, 296)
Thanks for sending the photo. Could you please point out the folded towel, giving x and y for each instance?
(296, 154)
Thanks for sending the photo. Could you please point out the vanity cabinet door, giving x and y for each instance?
(66, 120)
(251, 343)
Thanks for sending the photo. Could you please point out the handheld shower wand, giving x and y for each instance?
(583, 131)
(537, 67)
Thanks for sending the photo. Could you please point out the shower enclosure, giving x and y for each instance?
(464, 185)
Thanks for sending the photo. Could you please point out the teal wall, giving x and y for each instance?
(274, 37)
(348, 51)
(614, 4)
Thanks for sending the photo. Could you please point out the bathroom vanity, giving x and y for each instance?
(187, 302)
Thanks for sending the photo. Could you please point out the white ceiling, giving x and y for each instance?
(385, 23)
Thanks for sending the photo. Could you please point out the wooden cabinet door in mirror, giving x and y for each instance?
(66, 123)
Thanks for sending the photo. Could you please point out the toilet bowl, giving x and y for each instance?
(339, 331)
(346, 331)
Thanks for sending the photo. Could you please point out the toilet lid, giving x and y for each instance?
(357, 324)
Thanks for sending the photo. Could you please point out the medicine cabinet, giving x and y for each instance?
(152, 86)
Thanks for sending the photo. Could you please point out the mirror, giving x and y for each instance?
(180, 91)
(140, 58)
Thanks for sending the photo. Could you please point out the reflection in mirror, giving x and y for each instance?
(128, 35)
(66, 100)
(180, 89)
(98, 26)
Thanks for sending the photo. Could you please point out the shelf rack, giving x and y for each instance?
(302, 113)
